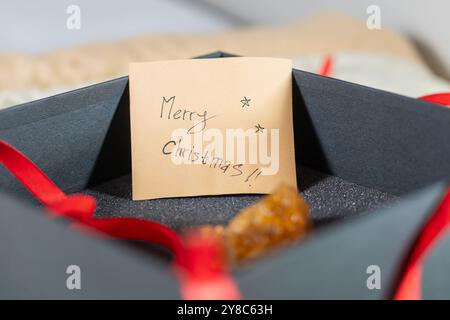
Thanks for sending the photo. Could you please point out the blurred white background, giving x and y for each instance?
(39, 25)
(40, 56)
(426, 22)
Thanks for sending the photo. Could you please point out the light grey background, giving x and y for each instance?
(40, 25)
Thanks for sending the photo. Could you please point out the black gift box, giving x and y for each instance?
(373, 165)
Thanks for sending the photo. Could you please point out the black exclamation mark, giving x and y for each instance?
(255, 174)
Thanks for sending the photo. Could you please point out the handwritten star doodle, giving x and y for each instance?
(245, 102)
(259, 128)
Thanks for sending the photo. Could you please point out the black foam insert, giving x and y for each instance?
(330, 198)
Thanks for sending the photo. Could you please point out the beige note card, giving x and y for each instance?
(211, 127)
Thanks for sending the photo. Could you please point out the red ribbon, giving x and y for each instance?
(197, 281)
(438, 98)
(436, 228)
(327, 66)
(433, 231)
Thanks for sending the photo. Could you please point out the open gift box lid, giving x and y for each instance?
(358, 150)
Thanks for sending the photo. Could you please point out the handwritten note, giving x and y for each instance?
(211, 126)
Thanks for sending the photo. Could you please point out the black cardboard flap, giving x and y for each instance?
(332, 264)
(36, 250)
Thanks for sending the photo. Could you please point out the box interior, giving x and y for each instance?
(356, 149)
